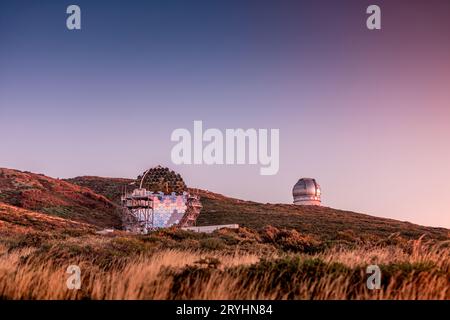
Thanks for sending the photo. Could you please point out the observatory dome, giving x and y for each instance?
(307, 192)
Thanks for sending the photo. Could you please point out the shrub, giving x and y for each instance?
(290, 240)
(212, 244)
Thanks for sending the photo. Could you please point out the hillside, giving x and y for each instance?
(57, 197)
(111, 188)
(14, 221)
(325, 223)
(96, 200)
(281, 251)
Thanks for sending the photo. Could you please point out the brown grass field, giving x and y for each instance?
(279, 252)
(423, 273)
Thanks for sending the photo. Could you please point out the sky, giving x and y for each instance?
(364, 112)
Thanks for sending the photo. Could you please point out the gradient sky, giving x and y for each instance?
(366, 113)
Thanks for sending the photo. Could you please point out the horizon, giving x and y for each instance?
(226, 195)
(365, 113)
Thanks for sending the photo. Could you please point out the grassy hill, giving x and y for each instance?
(281, 251)
(57, 197)
(324, 223)
(111, 188)
(18, 221)
(96, 201)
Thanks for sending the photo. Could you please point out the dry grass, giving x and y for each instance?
(280, 251)
(423, 273)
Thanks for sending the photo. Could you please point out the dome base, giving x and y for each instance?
(308, 203)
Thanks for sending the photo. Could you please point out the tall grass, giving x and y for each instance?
(420, 273)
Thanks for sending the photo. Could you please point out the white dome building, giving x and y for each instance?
(307, 192)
